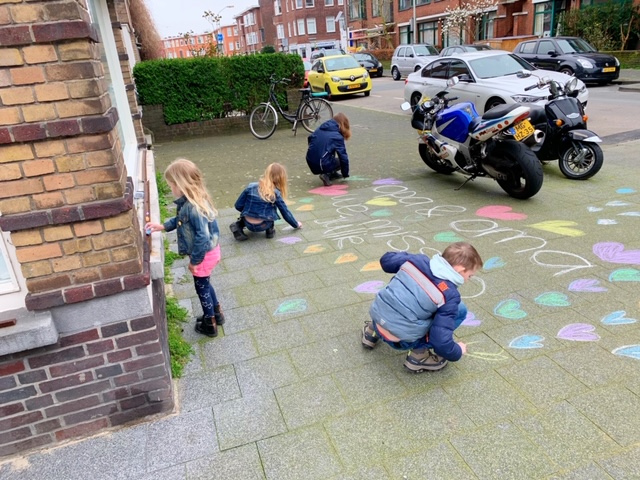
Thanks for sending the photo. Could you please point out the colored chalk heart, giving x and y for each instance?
(414, 217)
(305, 208)
(631, 351)
(306, 200)
(500, 212)
(614, 252)
(448, 237)
(346, 258)
(553, 299)
(625, 275)
(527, 341)
(381, 202)
(290, 240)
(381, 213)
(331, 191)
(371, 266)
(606, 221)
(387, 181)
(630, 214)
(291, 306)
(617, 203)
(561, 227)
(357, 178)
(510, 309)
(586, 285)
(625, 190)
(618, 318)
(470, 320)
(578, 332)
(493, 262)
(369, 287)
(594, 209)
(314, 249)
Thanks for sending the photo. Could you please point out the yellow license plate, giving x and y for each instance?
(523, 130)
(374, 70)
(609, 69)
(351, 87)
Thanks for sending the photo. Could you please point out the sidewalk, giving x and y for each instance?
(550, 387)
(629, 80)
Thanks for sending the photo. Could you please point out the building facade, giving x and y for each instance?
(189, 45)
(230, 42)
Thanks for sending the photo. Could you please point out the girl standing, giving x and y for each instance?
(198, 234)
(259, 203)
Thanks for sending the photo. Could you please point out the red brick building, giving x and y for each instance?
(192, 45)
(231, 40)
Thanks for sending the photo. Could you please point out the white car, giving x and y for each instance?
(487, 78)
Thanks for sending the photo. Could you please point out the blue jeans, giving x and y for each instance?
(258, 227)
(206, 294)
(421, 343)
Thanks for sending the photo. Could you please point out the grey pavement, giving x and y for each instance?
(549, 388)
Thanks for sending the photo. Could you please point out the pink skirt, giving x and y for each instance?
(211, 259)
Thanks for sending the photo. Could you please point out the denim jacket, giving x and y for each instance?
(196, 234)
(250, 204)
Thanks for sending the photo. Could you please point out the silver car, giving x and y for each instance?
(407, 59)
(487, 79)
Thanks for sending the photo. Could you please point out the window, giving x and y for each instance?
(340, 2)
(436, 69)
(357, 10)
(328, 3)
(277, 7)
(401, 51)
(311, 26)
(404, 4)
(404, 35)
(330, 24)
(11, 283)
(457, 67)
(428, 32)
(280, 31)
(545, 46)
(289, 29)
(300, 26)
(528, 47)
(486, 26)
(298, 3)
(309, 3)
(542, 18)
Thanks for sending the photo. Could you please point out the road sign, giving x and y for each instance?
(220, 37)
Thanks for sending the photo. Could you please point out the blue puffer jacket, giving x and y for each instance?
(416, 301)
(196, 234)
(324, 144)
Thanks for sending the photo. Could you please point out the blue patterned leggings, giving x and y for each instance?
(206, 294)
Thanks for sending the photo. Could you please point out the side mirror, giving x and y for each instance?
(553, 53)
(405, 106)
(524, 74)
(320, 70)
(411, 55)
(453, 81)
(464, 77)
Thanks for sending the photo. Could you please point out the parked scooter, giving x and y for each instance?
(455, 138)
(561, 130)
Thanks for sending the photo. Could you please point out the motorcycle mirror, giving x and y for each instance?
(405, 106)
(452, 81)
(571, 85)
(523, 74)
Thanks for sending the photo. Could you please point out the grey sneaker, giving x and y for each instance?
(369, 336)
(325, 180)
(427, 360)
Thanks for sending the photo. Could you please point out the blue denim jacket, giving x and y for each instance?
(249, 204)
(196, 234)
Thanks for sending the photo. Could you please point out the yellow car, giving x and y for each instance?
(339, 75)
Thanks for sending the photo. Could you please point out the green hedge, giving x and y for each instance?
(628, 58)
(202, 88)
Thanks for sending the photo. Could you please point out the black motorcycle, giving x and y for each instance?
(561, 130)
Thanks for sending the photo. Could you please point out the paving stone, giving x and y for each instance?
(265, 373)
(235, 463)
(256, 293)
(228, 349)
(177, 472)
(294, 306)
(371, 383)
(372, 472)
(269, 272)
(439, 462)
(208, 388)
(299, 283)
(246, 318)
(590, 471)
(280, 336)
(322, 357)
(336, 296)
(624, 465)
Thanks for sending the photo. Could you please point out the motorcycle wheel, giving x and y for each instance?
(525, 177)
(587, 167)
(433, 162)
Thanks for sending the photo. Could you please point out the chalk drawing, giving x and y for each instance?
(617, 203)
(478, 280)
(561, 227)
(346, 258)
(493, 263)
(448, 237)
(314, 249)
(527, 342)
(594, 209)
(606, 221)
(297, 305)
(630, 214)
(402, 194)
(618, 317)
(289, 240)
(553, 253)
(614, 252)
(631, 351)
(306, 200)
(371, 267)
(625, 190)
(586, 285)
(381, 202)
(500, 212)
(510, 309)
(471, 321)
(578, 332)
(440, 211)
(387, 181)
(625, 275)
(331, 191)
(553, 299)
(357, 178)
(382, 213)
(488, 356)
(372, 286)
(305, 208)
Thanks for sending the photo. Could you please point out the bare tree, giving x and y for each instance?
(382, 9)
(464, 20)
(145, 30)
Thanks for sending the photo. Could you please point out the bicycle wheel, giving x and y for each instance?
(315, 113)
(263, 121)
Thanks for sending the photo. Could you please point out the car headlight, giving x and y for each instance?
(617, 62)
(365, 75)
(335, 79)
(585, 63)
(525, 98)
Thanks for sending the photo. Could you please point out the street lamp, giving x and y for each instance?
(215, 18)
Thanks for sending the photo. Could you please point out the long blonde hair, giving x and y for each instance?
(275, 176)
(187, 177)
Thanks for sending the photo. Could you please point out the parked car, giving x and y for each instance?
(370, 62)
(307, 69)
(407, 59)
(487, 79)
(339, 75)
(325, 52)
(570, 55)
(455, 49)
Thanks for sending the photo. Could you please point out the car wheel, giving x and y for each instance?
(567, 71)
(415, 98)
(493, 102)
(328, 90)
(395, 73)
(380, 72)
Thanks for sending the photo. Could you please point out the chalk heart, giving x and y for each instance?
(371, 266)
(561, 227)
(304, 208)
(510, 309)
(382, 213)
(346, 258)
(500, 212)
(631, 351)
(493, 262)
(625, 275)
(630, 214)
(527, 341)
(586, 285)
(553, 299)
(331, 191)
(447, 237)
(289, 240)
(314, 249)
(617, 203)
(606, 221)
(625, 190)
(617, 318)
(387, 181)
(381, 202)
(594, 209)
(297, 305)
(614, 252)
(578, 332)
(370, 287)
(470, 320)
(306, 200)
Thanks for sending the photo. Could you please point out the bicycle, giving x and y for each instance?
(311, 112)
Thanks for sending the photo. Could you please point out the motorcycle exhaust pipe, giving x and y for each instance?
(440, 148)
(538, 136)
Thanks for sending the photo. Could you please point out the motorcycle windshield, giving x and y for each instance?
(568, 110)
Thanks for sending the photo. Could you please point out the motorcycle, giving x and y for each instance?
(561, 130)
(455, 138)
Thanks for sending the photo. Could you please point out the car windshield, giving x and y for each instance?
(340, 63)
(499, 66)
(362, 56)
(425, 50)
(574, 45)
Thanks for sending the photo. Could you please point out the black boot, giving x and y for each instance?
(219, 316)
(207, 327)
(237, 230)
(270, 232)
